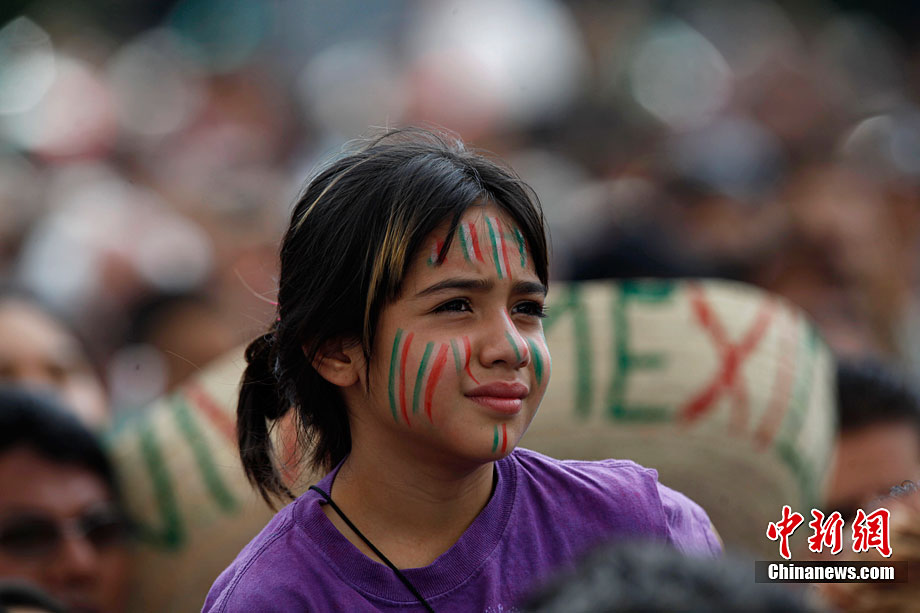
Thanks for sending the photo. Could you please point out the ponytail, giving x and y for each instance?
(260, 401)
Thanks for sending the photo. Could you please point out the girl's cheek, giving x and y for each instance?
(540, 359)
(417, 368)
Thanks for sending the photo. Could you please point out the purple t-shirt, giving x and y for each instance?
(543, 515)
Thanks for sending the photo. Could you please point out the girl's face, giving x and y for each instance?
(460, 363)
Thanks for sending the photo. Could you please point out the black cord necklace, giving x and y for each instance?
(376, 551)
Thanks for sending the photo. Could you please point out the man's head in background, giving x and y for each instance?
(650, 577)
(38, 350)
(879, 443)
(62, 528)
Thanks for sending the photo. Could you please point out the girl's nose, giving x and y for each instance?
(501, 343)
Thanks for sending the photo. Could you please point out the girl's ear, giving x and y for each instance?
(339, 361)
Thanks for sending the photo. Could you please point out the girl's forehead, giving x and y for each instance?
(485, 239)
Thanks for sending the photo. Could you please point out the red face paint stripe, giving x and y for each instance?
(469, 353)
(435, 253)
(439, 363)
(504, 438)
(475, 241)
(402, 377)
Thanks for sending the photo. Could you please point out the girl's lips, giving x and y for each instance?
(502, 396)
(508, 406)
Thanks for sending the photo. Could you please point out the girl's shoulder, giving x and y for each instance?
(619, 495)
(586, 478)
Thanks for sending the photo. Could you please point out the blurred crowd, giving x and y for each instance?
(149, 153)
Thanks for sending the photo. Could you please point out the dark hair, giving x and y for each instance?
(649, 577)
(351, 239)
(35, 420)
(869, 393)
(14, 593)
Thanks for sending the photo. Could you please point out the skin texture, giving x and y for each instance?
(77, 574)
(872, 460)
(419, 473)
(37, 351)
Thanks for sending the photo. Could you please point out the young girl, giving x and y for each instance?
(409, 341)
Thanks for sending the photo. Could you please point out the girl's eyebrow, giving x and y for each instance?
(519, 287)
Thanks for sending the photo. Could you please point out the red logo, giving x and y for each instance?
(783, 529)
(871, 531)
(827, 532)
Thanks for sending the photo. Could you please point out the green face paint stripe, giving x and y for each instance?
(522, 249)
(419, 378)
(495, 256)
(393, 361)
(456, 351)
(171, 535)
(402, 377)
(517, 352)
(537, 358)
(203, 457)
(494, 438)
(504, 243)
(464, 243)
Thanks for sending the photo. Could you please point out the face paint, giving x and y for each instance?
(522, 248)
(420, 377)
(429, 335)
(510, 339)
(504, 438)
(517, 352)
(499, 247)
(435, 252)
(469, 242)
(456, 351)
(469, 353)
(394, 361)
(537, 357)
(402, 377)
(439, 363)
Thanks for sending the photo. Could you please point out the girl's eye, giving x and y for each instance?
(530, 308)
(458, 305)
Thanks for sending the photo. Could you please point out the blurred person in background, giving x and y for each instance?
(62, 527)
(879, 443)
(16, 597)
(187, 329)
(648, 577)
(887, 597)
(37, 349)
(847, 258)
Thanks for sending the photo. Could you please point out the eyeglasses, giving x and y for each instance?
(37, 535)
